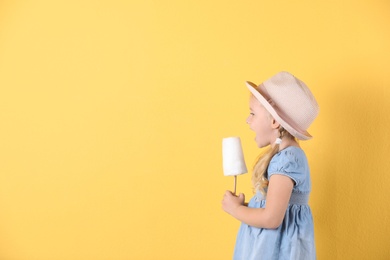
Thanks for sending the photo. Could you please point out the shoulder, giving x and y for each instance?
(291, 161)
(290, 154)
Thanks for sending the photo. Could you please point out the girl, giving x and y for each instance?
(277, 223)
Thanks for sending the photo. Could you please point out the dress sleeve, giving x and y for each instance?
(287, 163)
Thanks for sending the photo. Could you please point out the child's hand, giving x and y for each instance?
(232, 202)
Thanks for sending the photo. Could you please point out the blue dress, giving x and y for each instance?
(294, 238)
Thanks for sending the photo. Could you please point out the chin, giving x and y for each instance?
(261, 144)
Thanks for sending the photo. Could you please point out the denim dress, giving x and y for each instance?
(294, 238)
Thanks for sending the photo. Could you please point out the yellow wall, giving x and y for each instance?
(112, 115)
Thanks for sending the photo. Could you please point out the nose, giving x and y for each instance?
(248, 119)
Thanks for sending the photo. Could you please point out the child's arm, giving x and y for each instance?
(278, 196)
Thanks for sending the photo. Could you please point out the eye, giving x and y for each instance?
(251, 114)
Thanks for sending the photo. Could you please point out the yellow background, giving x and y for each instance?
(112, 115)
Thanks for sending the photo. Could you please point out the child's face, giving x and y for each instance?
(260, 121)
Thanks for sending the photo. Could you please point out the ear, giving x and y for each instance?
(274, 124)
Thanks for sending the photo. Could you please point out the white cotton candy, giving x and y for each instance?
(233, 157)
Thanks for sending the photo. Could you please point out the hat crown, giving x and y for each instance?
(292, 100)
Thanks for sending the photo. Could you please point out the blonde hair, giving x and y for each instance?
(259, 175)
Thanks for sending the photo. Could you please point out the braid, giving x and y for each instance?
(259, 176)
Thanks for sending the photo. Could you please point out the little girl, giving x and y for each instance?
(277, 223)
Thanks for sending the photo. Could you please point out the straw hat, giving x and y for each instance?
(289, 101)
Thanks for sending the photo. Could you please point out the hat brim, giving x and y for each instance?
(298, 133)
